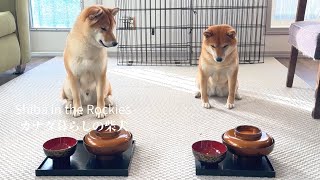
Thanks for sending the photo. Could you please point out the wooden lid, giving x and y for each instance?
(107, 136)
(247, 137)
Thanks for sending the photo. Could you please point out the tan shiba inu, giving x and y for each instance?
(218, 65)
(85, 60)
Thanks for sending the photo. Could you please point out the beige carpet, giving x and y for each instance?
(164, 118)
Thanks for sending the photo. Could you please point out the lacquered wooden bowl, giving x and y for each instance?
(248, 141)
(107, 141)
(61, 147)
(207, 151)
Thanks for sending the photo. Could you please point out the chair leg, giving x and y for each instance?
(20, 69)
(316, 109)
(292, 66)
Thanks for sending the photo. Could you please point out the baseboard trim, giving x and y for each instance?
(45, 54)
(280, 54)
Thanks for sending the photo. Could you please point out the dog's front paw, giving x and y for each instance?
(197, 94)
(229, 105)
(68, 105)
(109, 101)
(238, 96)
(77, 112)
(100, 115)
(206, 105)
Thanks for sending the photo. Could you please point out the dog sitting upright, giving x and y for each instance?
(218, 65)
(85, 60)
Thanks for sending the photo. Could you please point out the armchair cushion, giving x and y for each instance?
(8, 24)
(305, 36)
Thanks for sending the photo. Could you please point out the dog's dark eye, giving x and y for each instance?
(225, 46)
(104, 29)
(213, 46)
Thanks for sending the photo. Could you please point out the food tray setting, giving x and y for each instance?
(82, 163)
(234, 166)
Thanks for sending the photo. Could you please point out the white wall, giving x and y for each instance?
(46, 43)
(277, 45)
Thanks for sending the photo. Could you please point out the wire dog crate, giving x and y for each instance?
(169, 32)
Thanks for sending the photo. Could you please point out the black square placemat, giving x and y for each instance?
(82, 163)
(229, 167)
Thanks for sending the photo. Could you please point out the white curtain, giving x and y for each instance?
(54, 13)
(286, 10)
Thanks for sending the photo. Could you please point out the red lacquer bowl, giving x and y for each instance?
(61, 147)
(208, 151)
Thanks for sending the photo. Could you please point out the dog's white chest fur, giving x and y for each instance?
(218, 80)
(82, 66)
(87, 71)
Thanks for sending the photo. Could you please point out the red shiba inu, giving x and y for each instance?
(218, 65)
(85, 60)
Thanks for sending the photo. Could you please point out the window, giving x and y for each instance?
(57, 14)
(284, 12)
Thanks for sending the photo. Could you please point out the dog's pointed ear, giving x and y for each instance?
(231, 33)
(114, 11)
(207, 33)
(94, 14)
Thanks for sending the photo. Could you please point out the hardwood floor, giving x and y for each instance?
(9, 75)
(306, 69)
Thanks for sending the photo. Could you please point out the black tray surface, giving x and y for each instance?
(82, 163)
(233, 166)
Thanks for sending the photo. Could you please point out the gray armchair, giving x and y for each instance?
(14, 35)
(304, 36)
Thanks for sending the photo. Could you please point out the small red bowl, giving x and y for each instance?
(208, 151)
(61, 147)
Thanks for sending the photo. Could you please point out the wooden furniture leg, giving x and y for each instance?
(292, 66)
(316, 109)
(301, 10)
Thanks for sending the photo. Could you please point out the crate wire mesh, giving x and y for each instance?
(169, 32)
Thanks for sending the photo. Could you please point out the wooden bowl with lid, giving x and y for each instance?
(249, 141)
(107, 141)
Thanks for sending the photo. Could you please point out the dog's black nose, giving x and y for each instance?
(114, 43)
(219, 59)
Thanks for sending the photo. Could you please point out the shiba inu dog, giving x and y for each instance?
(85, 60)
(218, 65)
